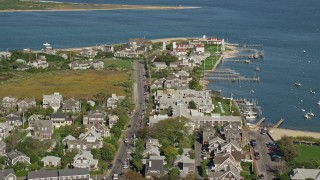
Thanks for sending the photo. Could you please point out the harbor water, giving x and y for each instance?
(286, 28)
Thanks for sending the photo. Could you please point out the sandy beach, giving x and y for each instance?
(277, 133)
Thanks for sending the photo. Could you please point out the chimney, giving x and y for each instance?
(149, 164)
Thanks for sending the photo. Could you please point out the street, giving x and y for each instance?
(135, 123)
(264, 165)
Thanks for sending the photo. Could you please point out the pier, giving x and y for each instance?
(278, 123)
(260, 121)
(248, 61)
(245, 45)
(234, 79)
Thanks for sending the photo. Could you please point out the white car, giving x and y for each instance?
(126, 140)
(125, 166)
(115, 176)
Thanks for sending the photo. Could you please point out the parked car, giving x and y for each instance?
(257, 155)
(115, 176)
(261, 176)
(126, 140)
(253, 143)
(276, 158)
(110, 166)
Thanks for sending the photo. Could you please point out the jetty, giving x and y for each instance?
(245, 45)
(278, 123)
(233, 79)
(248, 61)
(260, 121)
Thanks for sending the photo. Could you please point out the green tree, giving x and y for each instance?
(192, 105)
(19, 166)
(171, 153)
(204, 164)
(108, 152)
(289, 150)
(195, 84)
(167, 58)
(133, 175)
(174, 174)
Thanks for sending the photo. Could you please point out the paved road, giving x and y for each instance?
(197, 150)
(264, 165)
(122, 155)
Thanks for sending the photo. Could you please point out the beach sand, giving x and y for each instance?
(277, 133)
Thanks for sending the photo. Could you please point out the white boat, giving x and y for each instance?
(310, 114)
(312, 92)
(297, 84)
(318, 103)
(307, 116)
(257, 69)
(303, 51)
(250, 115)
(303, 110)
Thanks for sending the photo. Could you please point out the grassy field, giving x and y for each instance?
(307, 153)
(211, 48)
(77, 84)
(118, 64)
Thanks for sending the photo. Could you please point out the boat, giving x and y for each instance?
(257, 69)
(250, 116)
(303, 51)
(307, 116)
(318, 103)
(310, 114)
(297, 84)
(303, 110)
(312, 92)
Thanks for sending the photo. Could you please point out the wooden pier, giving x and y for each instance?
(260, 121)
(278, 123)
(234, 79)
(248, 61)
(245, 45)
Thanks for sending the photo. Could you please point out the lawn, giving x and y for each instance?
(307, 153)
(211, 48)
(118, 64)
(210, 62)
(77, 84)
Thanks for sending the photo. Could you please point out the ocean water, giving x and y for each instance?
(284, 27)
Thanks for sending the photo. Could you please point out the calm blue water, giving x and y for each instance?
(284, 27)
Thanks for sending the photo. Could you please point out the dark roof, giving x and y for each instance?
(5, 172)
(14, 154)
(13, 119)
(42, 174)
(58, 115)
(155, 165)
(75, 171)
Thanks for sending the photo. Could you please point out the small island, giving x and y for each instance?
(35, 5)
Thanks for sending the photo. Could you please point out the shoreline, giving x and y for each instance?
(125, 7)
(277, 133)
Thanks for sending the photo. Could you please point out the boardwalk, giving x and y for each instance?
(278, 123)
(234, 79)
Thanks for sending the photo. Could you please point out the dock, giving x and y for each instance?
(245, 45)
(233, 79)
(278, 123)
(260, 121)
(248, 61)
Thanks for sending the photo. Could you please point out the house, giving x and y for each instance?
(71, 105)
(59, 119)
(98, 65)
(88, 52)
(229, 173)
(87, 141)
(113, 100)
(199, 48)
(79, 65)
(41, 62)
(51, 161)
(213, 41)
(302, 174)
(102, 129)
(152, 142)
(94, 118)
(160, 65)
(215, 144)
(14, 119)
(113, 120)
(151, 151)
(229, 159)
(26, 103)
(7, 174)
(23, 67)
(4, 130)
(53, 101)
(16, 156)
(84, 159)
(175, 81)
(33, 118)
(43, 174)
(154, 168)
(42, 129)
(2, 148)
(74, 174)
(107, 48)
(9, 102)
(184, 162)
(158, 83)
(21, 61)
(91, 103)
(208, 133)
